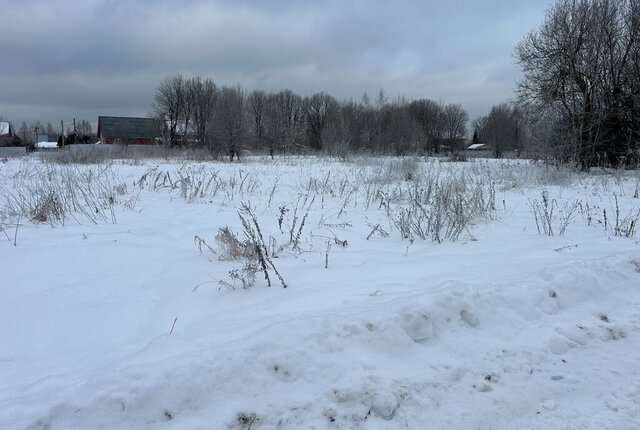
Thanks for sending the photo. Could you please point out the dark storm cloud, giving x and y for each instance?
(67, 59)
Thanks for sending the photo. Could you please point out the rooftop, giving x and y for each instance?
(5, 128)
(117, 126)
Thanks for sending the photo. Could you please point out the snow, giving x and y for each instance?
(46, 145)
(477, 146)
(4, 128)
(124, 324)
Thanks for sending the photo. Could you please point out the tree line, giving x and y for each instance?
(196, 112)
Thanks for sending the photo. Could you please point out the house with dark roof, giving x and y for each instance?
(128, 130)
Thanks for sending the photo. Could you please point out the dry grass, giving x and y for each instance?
(53, 194)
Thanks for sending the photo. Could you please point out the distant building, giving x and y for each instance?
(128, 131)
(6, 132)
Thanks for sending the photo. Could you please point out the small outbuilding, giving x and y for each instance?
(128, 130)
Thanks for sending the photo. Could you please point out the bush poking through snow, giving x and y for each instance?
(546, 216)
(245, 420)
(253, 251)
(246, 275)
(296, 225)
(543, 212)
(48, 208)
(628, 225)
(549, 218)
(442, 208)
(254, 236)
(234, 249)
(282, 211)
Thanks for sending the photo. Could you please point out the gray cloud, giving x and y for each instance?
(68, 59)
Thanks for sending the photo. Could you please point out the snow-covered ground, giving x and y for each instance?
(115, 312)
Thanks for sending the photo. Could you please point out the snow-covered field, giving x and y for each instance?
(119, 308)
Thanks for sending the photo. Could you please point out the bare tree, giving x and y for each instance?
(455, 121)
(202, 96)
(580, 63)
(290, 119)
(50, 130)
(257, 107)
(429, 115)
(229, 121)
(352, 116)
(543, 135)
(401, 132)
(501, 129)
(320, 108)
(26, 134)
(169, 105)
(83, 127)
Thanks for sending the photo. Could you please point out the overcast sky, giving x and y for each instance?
(62, 59)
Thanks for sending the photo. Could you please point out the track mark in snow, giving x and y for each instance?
(549, 404)
(558, 345)
(384, 404)
(577, 334)
(469, 318)
(418, 326)
(483, 388)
